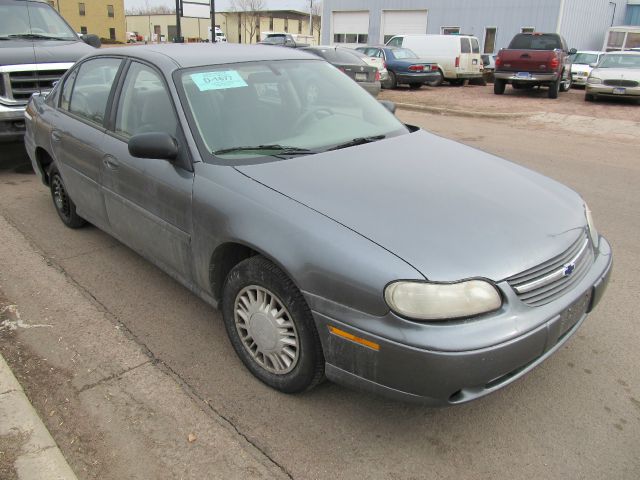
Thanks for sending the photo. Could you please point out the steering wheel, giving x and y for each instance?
(317, 113)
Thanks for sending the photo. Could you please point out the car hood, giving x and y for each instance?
(449, 210)
(20, 52)
(617, 73)
(580, 67)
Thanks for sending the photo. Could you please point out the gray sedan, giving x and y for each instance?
(337, 241)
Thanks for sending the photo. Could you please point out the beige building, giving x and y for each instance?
(104, 18)
(235, 25)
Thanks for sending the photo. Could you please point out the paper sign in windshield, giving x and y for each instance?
(218, 80)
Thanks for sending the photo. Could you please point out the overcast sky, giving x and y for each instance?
(302, 5)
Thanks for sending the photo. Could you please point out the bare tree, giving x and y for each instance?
(316, 16)
(249, 12)
(150, 10)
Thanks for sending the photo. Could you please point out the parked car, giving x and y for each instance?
(37, 47)
(457, 56)
(534, 59)
(335, 239)
(374, 62)
(488, 63)
(220, 37)
(581, 66)
(616, 75)
(283, 40)
(349, 63)
(405, 67)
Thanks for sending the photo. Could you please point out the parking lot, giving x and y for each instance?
(577, 416)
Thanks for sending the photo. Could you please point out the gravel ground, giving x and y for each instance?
(482, 99)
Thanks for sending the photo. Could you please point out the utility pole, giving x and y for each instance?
(213, 21)
(178, 38)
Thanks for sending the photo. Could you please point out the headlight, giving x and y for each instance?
(594, 80)
(440, 301)
(592, 228)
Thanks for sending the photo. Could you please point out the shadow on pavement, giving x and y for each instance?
(14, 158)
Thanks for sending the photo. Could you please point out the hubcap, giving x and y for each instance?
(60, 196)
(266, 329)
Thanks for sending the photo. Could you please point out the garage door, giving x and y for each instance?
(350, 27)
(403, 22)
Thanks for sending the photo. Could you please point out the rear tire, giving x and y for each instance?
(63, 204)
(554, 89)
(270, 326)
(393, 80)
(499, 86)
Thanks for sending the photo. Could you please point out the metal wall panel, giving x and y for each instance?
(633, 15)
(585, 22)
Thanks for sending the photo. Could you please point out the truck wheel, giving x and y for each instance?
(499, 86)
(566, 85)
(554, 89)
(271, 327)
(436, 82)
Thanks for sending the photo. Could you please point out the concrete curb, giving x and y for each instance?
(463, 113)
(39, 455)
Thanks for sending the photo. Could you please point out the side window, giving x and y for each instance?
(395, 42)
(66, 91)
(465, 45)
(145, 104)
(91, 90)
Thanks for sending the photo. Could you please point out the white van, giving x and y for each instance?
(457, 56)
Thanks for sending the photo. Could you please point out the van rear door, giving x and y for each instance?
(470, 61)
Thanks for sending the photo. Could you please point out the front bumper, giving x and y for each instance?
(453, 362)
(533, 78)
(598, 89)
(578, 79)
(12, 124)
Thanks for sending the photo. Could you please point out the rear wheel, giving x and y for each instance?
(393, 80)
(554, 89)
(499, 86)
(271, 327)
(65, 207)
(415, 86)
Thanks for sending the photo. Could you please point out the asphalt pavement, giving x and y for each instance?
(577, 416)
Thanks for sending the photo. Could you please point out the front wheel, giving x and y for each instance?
(65, 207)
(499, 86)
(271, 327)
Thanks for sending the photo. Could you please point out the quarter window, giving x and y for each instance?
(145, 104)
(92, 87)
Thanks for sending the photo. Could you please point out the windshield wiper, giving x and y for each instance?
(280, 149)
(358, 141)
(37, 36)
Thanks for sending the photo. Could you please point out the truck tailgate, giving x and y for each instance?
(527, 60)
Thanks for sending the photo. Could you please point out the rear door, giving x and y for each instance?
(148, 201)
(77, 137)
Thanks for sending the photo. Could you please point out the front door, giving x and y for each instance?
(148, 201)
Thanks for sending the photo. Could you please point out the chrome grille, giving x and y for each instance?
(621, 83)
(546, 282)
(24, 84)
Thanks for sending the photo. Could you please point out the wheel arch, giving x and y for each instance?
(43, 161)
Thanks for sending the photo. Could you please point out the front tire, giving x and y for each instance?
(270, 326)
(499, 86)
(63, 204)
(393, 80)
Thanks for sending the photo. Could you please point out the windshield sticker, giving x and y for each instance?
(218, 80)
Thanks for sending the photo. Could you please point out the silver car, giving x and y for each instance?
(337, 241)
(581, 65)
(616, 75)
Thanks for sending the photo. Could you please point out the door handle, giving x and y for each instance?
(56, 136)
(111, 163)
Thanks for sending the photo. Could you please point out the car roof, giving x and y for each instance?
(623, 53)
(595, 52)
(184, 55)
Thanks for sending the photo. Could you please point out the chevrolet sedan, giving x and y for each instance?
(616, 75)
(337, 241)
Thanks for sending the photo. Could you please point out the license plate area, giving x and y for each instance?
(571, 315)
(619, 91)
(523, 75)
(361, 77)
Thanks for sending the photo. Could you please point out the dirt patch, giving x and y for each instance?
(479, 98)
(10, 449)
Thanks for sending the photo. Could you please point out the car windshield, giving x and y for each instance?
(32, 20)
(585, 58)
(403, 53)
(536, 41)
(275, 40)
(275, 108)
(620, 61)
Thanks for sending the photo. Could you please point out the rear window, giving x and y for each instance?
(465, 45)
(333, 55)
(403, 53)
(543, 41)
(475, 46)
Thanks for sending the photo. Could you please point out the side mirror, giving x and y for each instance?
(593, 65)
(573, 51)
(388, 105)
(156, 145)
(91, 39)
